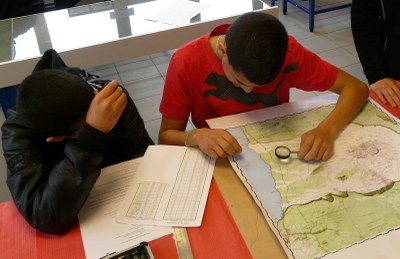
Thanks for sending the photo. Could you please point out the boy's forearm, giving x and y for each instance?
(51, 204)
(351, 99)
(172, 137)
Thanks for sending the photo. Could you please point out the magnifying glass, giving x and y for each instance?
(283, 152)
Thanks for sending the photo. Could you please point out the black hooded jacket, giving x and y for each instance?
(50, 182)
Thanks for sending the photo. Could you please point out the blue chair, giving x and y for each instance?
(311, 9)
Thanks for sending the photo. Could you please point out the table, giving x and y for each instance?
(232, 225)
(105, 33)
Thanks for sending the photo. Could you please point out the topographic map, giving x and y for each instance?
(320, 208)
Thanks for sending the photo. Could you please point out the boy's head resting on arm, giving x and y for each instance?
(53, 102)
(256, 46)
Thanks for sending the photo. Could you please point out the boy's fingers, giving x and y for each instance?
(116, 95)
(121, 101)
(109, 89)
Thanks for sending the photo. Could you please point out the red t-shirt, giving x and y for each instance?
(196, 84)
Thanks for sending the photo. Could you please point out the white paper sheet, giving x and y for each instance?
(101, 234)
(170, 188)
(179, 13)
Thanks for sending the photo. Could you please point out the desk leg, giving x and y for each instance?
(311, 14)
(284, 6)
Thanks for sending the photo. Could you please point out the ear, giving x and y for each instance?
(222, 45)
(54, 139)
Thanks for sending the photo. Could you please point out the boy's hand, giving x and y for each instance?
(106, 107)
(388, 91)
(317, 144)
(215, 142)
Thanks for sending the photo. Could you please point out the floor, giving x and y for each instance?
(144, 77)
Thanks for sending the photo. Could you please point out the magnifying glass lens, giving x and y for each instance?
(282, 152)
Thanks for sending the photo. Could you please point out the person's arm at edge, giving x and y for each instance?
(367, 33)
(352, 96)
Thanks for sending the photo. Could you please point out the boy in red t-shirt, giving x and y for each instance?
(246, 66)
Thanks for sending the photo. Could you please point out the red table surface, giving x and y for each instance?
(388, 107)
(218, 236)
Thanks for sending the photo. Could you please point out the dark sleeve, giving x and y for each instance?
(16, 8)
(130, 138)
(3, 8)
(49, 189)
(62, 4)
(369, 38)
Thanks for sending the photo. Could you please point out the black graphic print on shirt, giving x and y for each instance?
(225, 89)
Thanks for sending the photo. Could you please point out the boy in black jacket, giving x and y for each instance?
(61, 134)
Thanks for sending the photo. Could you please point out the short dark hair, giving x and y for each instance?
(52, 102)
(256, 46)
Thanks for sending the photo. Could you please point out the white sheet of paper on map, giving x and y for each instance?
(346, 207)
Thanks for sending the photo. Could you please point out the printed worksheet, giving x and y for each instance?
(101, 234)
(170, 188)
